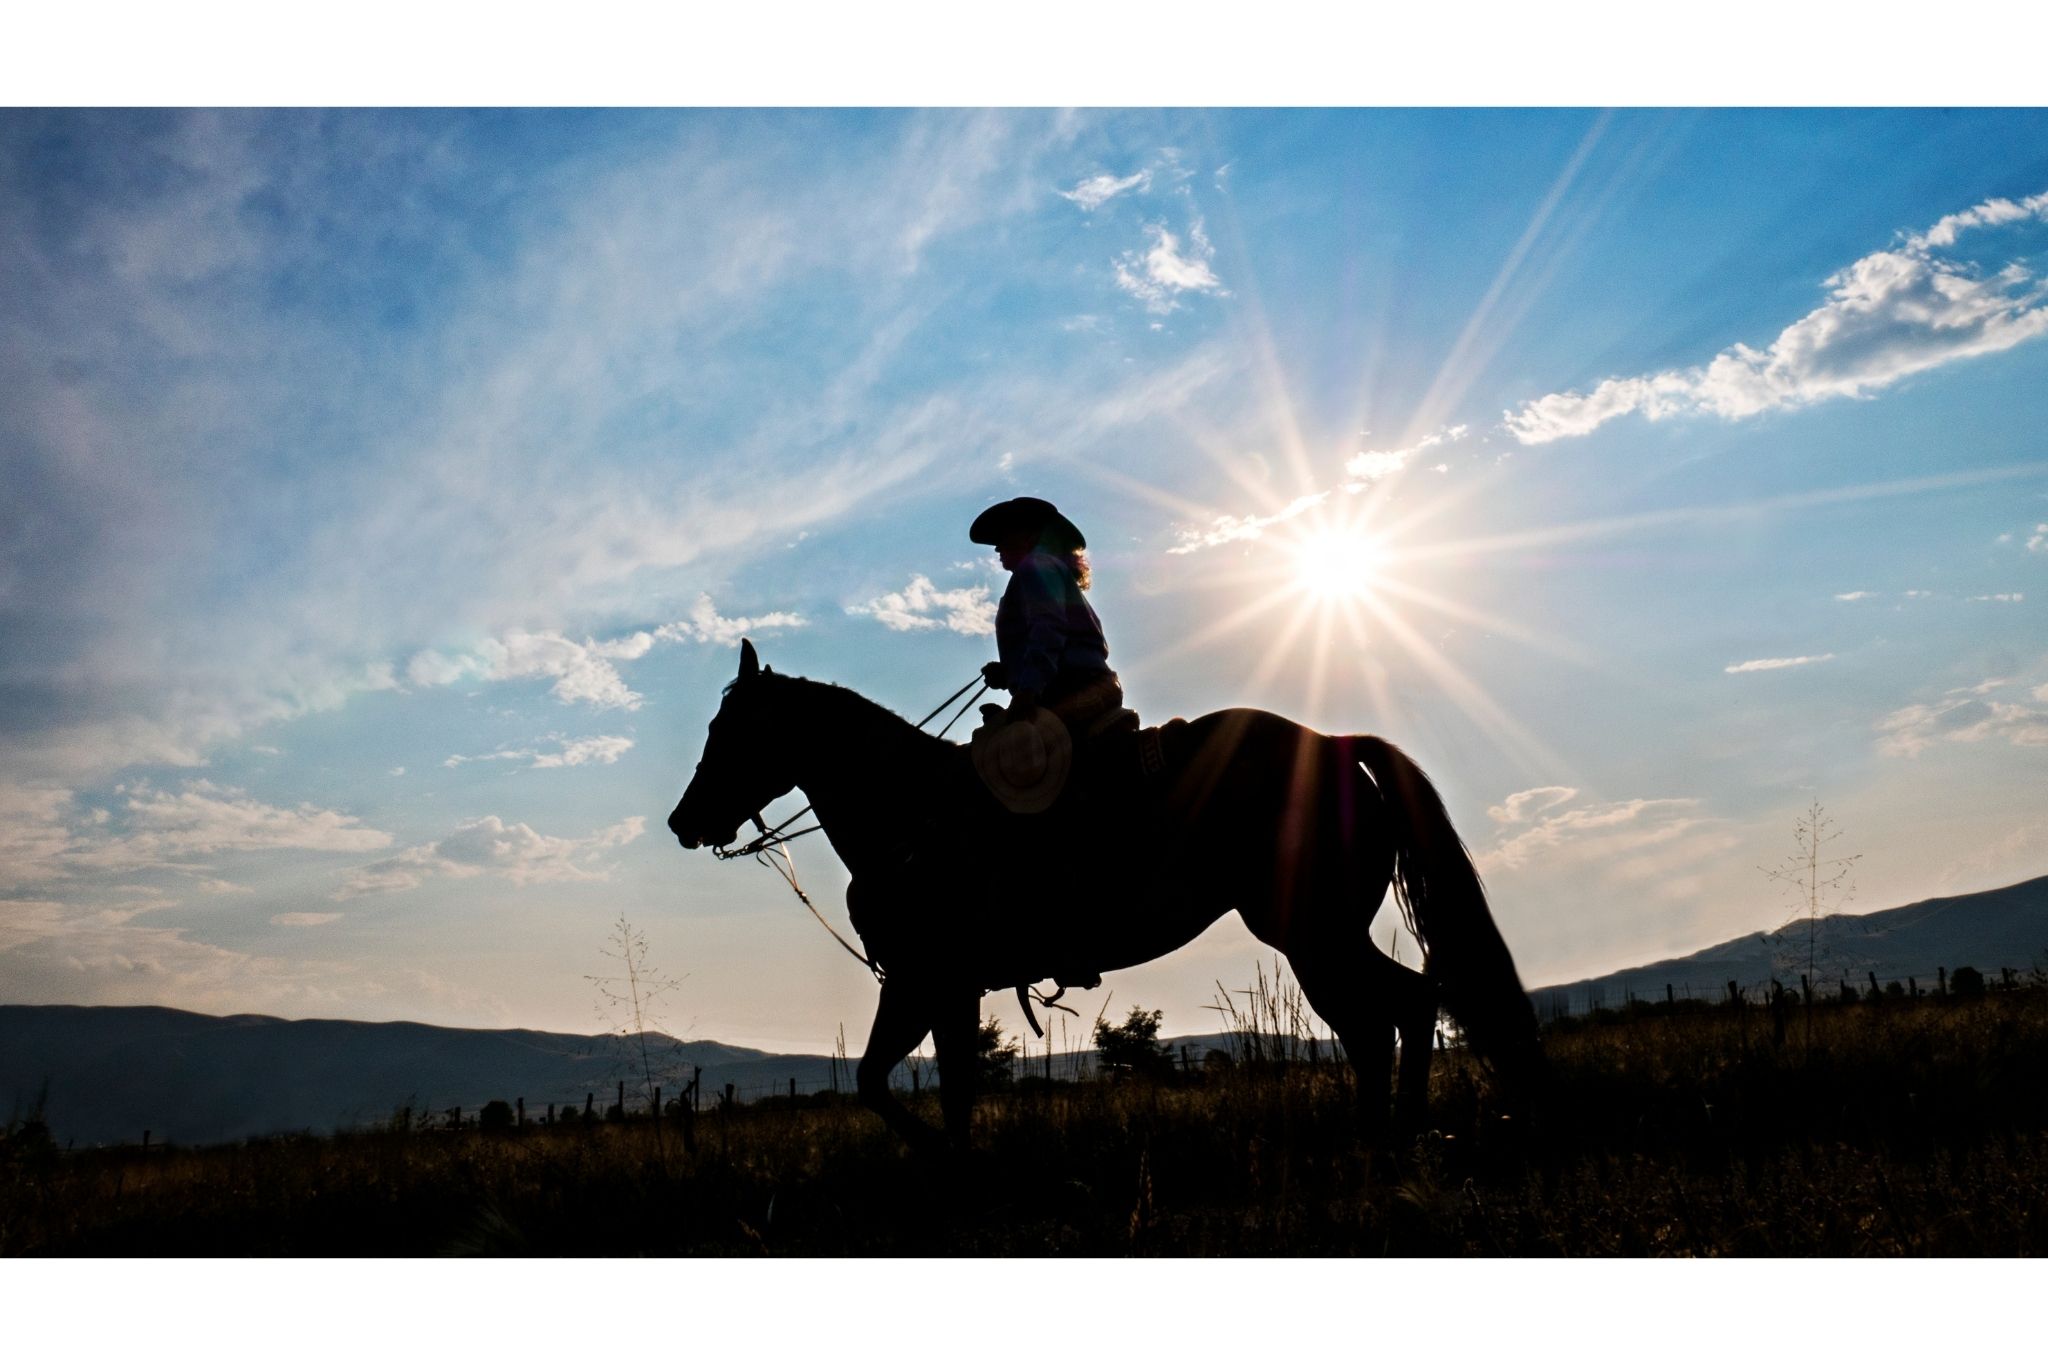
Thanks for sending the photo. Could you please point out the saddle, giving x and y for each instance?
(1117, 761)
(1026, 760)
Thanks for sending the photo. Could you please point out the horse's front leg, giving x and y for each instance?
(902, 1019)
(953, 1030)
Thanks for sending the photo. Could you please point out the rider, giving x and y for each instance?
(1050, 640)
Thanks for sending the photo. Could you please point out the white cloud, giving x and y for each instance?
(1764, 665)
(1369, 465)
(923, 606)
(572, 753)
(2038, 541)
(1965, 715)
(1524, 805)
(1991, 212)
(1223, 530)
(34, 833)
(706, 626)
(304, 918)
(215, 886)
(167, 829)
(2001, 597)
(1097, 190)
(517, 853)
(586, 671)
(1158, 275)
(1891, 314)
(1856, 596)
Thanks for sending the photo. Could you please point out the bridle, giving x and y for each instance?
(770, 847)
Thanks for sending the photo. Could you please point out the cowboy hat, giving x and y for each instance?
(1026, 514)
(1023, 759)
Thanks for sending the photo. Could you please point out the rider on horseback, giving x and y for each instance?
(1052, 651)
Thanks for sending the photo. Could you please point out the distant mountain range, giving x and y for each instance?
(112, 1072)
(1988, 930)
(106, 1074)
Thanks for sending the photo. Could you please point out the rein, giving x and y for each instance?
(771, 844)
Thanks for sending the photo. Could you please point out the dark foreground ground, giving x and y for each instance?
(1904, 1128)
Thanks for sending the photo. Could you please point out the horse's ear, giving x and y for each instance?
(750, 662)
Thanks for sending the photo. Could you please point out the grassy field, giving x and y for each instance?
(1914, 1128)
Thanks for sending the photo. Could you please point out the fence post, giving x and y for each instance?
(521, 1102)
(622, 1101)
(1670, 997)
(551, 1114)
(1913, 987)
(696, 1087)
(792, 1089)
(1735, 995)
(1942, 973)
(590, 1104)
(728, 1094)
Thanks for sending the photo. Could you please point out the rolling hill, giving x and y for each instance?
(1988, 930)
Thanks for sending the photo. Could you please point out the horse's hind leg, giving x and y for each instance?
(1365, 997)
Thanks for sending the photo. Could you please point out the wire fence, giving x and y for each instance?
(1826, 987)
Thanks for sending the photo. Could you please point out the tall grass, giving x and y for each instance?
(1917, 1128)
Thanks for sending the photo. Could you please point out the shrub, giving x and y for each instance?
(1134, 1044)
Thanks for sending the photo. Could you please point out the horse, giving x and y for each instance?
(1300, 832)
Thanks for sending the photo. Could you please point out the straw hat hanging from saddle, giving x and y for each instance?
(1023, 759)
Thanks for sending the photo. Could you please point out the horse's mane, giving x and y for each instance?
(850, 708)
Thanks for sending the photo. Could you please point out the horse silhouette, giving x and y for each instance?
(1301, 833)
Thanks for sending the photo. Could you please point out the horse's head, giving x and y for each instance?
(748, 761)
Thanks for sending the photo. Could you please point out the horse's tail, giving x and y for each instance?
(1444, 905)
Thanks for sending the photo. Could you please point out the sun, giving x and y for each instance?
(1339, 564)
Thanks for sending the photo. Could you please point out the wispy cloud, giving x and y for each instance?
(1362, 471)
(1966, 715)
(569, 753)
(586, 671)
(202, 819)
(2000, 597)
(305, 919)
(1857, 596)
(1223, 530)
(1640, 840)
(1891, 314)
(924, 606)
(2038, 541)
(1159, 274)
(516, 852)
(1368, 466)
(1525, 805)
(1766, 665)
(1097, 190)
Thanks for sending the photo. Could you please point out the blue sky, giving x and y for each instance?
(384, 494)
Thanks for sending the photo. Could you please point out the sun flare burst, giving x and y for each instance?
(1338, 562)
